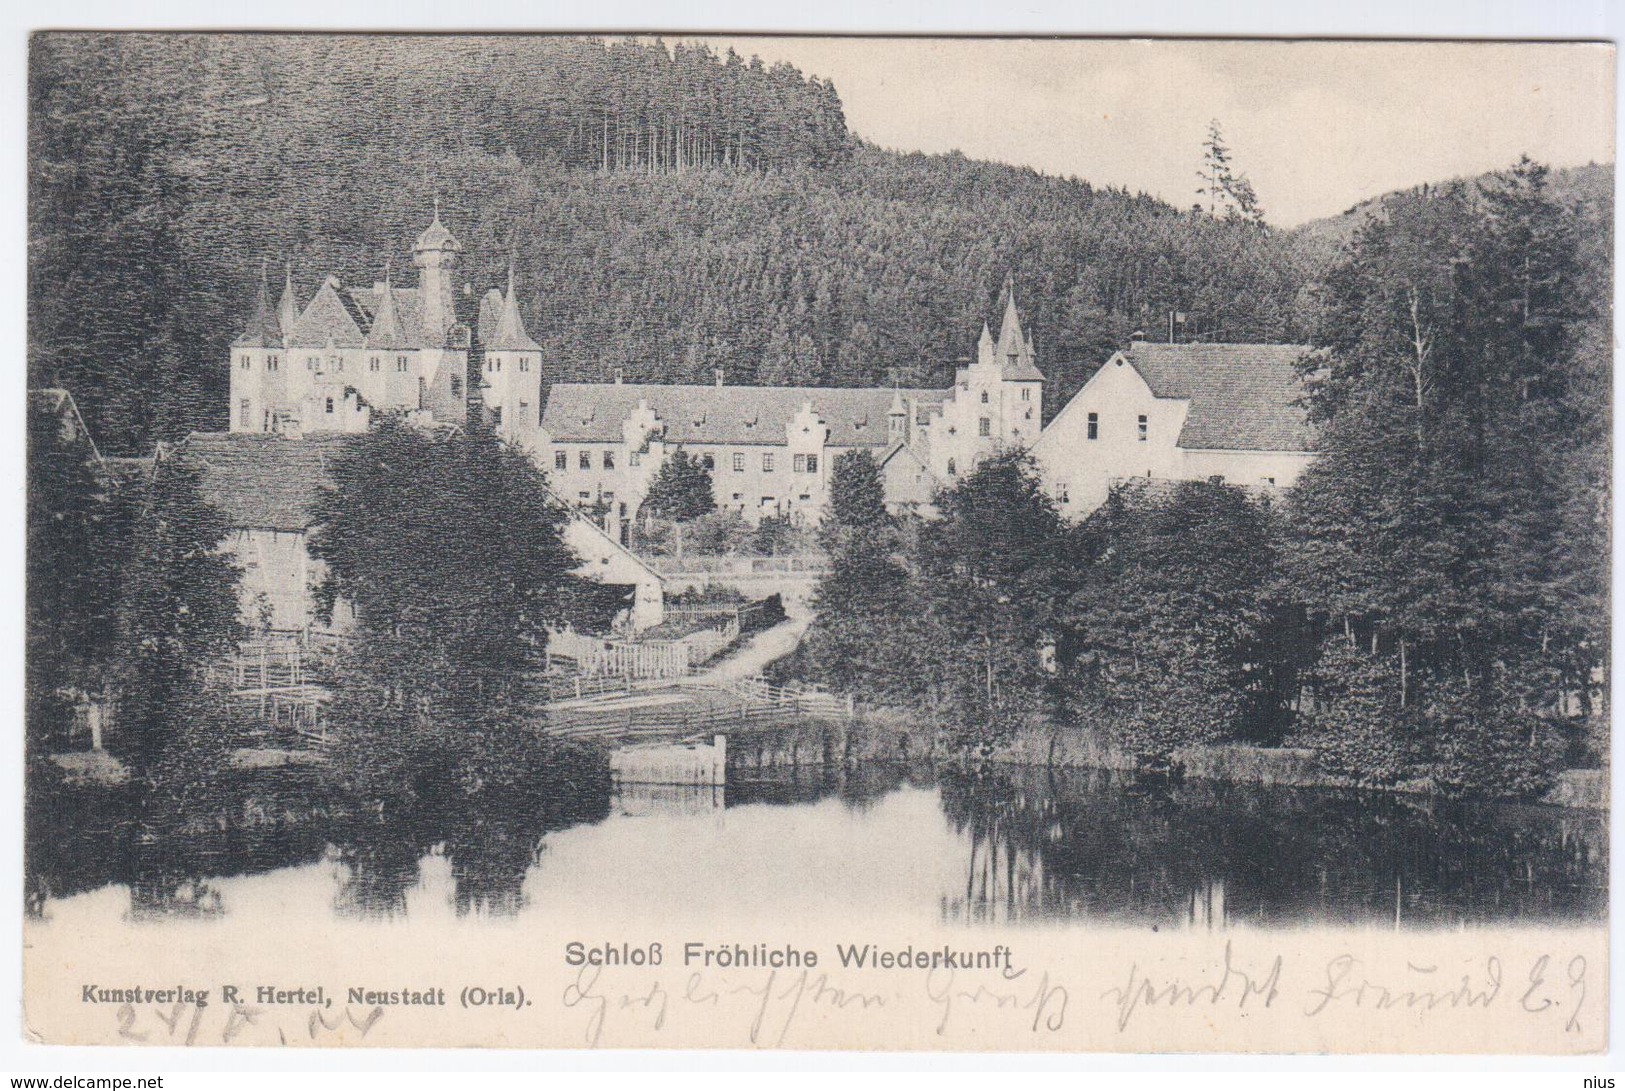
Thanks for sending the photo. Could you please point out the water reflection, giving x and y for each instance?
(1203, 854)
(1009, 847)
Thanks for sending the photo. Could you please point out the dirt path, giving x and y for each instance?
(759, 651)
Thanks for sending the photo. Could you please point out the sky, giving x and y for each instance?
(1316, 126)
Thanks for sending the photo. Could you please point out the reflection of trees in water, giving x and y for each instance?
(76, 837)
(487, 821)
(1092, 845)
(859, 788)
(193, 826)
(168, 837)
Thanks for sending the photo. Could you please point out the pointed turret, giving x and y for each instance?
(388, 331)
(984, 347)
(262, 331)
(1015, 351)
(1010, 338)
(510, 334)
(287, 308)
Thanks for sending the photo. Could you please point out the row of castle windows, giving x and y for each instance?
(801, 464)
(274, 363)
(1026, 396)
(1143, 424)
(496, 365)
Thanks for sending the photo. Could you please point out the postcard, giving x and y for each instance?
(834, 543)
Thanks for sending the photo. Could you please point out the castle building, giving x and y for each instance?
(1180, 412)
(304, 379)
(349, 353)
(770, 448)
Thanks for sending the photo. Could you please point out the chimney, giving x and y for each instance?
(719, 376)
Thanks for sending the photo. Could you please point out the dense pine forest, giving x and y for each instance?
(670, 212)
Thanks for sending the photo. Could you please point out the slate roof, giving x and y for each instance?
(287, 308)
(1242, 397)
(594, 412)
(328, 318)
(510, 334)
(264, 330)
(490, 315)
(406, 329)
(435, 236)
(263, 482)
(1013, 344)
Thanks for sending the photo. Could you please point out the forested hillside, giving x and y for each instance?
(669, 212)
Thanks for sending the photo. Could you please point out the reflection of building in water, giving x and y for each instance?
(643, 800)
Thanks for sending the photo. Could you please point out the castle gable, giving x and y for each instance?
(328, 320)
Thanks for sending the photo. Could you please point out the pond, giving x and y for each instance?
(1011, 846)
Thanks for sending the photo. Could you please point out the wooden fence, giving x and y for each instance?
(690, 565)
(595, 657)
(735, 707)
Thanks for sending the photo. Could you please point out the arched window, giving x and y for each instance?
(952, 471)
(984, 397)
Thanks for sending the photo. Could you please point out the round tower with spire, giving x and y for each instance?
(435, 254)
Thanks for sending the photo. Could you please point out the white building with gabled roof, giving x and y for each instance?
(770, 448)
(1180, 412)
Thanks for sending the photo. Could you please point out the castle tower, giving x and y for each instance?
(1021, 382)
(255, 360)
(435, 255)
(512, 372)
